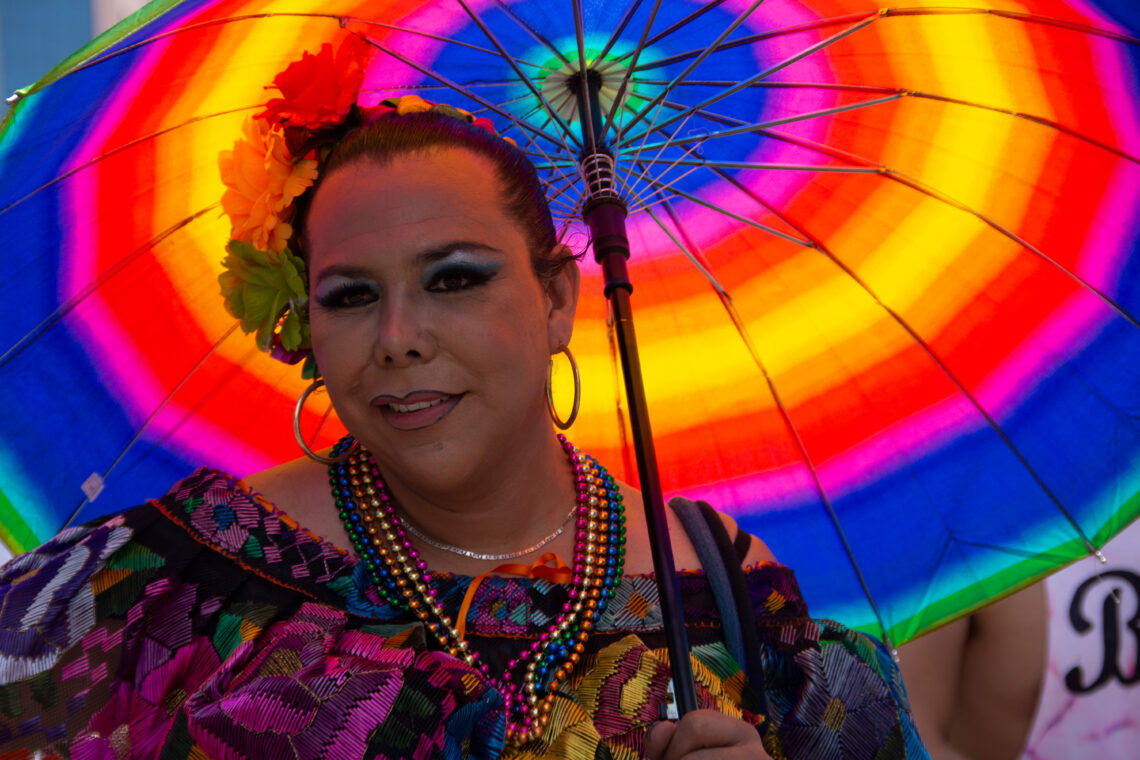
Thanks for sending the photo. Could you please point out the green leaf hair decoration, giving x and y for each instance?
(266, 291)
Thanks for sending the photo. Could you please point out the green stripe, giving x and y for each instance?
(89, 52)
(14, 531)
(1011, 579)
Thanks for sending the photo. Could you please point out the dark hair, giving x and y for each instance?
(392, 136)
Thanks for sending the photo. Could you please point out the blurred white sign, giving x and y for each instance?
(107, 13)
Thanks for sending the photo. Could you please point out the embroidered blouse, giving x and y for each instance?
(206, 624)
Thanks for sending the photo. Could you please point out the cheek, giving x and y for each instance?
(517, 344)
(340, 346)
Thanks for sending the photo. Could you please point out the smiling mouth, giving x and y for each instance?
(417, 410)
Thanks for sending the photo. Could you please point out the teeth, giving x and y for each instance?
(406, 408)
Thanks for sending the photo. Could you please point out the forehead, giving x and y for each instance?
(408, 204)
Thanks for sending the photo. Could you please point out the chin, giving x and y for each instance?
(431, 464)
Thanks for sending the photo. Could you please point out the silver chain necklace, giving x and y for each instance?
(411, 528)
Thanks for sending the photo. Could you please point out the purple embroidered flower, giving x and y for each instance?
(310, 685)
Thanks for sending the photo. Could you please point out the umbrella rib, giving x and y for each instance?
(732, 122)
(586, 123)
(656, 188)
(764, 125)
(775, 85)
(534, 33)
(626, 77)
(902, 94)
(627, 16)
(67, 306)
(682, 23)
(1031, 118)
(502, 104)
(761, 36)
(687, 247)
(1055, 559)
(914, 184)
(704, 113)
(720, 209)
(1033, 18)
(635, 200)
(341, 20)
(780, 167)
(785, 414)
(641, 205)
(1040, 120)
(402, 87)
(119, 149)
(898, 13)
(901, 322)
(642, 147)
(518, 71)
(522, 125)
(543, 153)
(821, 45)
(650, 162)
(740, 19)
(151, 417)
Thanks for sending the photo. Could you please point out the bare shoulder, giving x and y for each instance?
(290, 483)
(758, 551)
(639, 557)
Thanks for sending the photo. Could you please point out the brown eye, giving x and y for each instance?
(458, 278)
(349, 296)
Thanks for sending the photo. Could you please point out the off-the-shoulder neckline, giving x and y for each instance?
(273, 510)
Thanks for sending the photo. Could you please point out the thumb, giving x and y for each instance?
(657, 739)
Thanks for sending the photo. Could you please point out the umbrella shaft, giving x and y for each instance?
(611, 249)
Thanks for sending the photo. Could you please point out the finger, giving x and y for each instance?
(657, 739)
(709, 729)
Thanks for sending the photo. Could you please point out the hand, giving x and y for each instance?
(704, 735)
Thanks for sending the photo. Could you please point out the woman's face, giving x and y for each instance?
(431, 329)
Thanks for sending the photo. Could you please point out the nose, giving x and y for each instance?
(403, 338)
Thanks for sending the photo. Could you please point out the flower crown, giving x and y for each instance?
(274, 163)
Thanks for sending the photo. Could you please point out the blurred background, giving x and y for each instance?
(36, 34)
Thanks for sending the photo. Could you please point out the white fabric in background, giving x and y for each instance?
(1090, 699)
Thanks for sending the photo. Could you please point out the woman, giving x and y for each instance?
(210, 623)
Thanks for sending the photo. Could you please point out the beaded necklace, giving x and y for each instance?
(402, 578)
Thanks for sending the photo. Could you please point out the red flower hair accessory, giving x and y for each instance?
(319, 90)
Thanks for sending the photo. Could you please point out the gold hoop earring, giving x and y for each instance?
(550, 393)
(318, 383)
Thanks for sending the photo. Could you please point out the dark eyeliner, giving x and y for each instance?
(346, 295)
(471, 274)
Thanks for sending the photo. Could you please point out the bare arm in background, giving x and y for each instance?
(974, 684)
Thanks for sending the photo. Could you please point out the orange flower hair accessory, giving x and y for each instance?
(262, 180)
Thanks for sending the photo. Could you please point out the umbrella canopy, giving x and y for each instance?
(885, 265)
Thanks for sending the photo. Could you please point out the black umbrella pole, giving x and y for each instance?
(611, 249)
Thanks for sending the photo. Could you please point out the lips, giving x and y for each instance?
(416, 410)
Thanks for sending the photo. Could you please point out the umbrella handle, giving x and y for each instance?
(611, 248)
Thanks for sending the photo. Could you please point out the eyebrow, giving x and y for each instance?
(430, 256)
(443, 251)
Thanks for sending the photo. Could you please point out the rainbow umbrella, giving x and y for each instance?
(885, 265)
